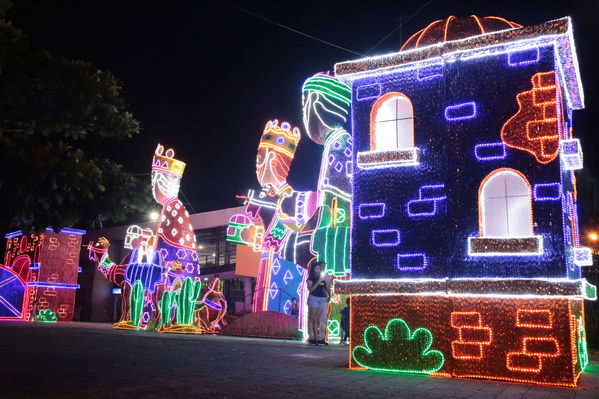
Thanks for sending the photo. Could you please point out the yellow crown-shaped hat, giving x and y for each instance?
(166, 162)
(281, 138)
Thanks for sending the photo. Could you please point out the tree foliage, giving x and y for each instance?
(50, 108)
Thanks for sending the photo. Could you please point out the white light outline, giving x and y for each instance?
(536, 253)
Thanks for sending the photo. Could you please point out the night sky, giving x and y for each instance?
(203, 77)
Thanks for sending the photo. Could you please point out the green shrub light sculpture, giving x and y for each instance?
(398, 349)
(46, 316)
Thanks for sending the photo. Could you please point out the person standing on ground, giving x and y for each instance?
(318, 285)
(345, 323)
(294, 309)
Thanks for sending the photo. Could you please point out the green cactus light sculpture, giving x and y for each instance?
(137, 302)
(186, 300)
(166, 306)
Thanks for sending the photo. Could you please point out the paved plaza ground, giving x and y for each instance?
(85, 360)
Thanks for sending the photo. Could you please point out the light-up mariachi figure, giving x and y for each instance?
(175, 238)
(326, 105)
(274, 220)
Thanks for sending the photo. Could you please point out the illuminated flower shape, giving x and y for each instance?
(398, 349)
(181, 254)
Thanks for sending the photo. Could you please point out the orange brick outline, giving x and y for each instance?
(467, 346)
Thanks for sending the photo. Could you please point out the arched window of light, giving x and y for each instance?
(505, 205)
(392, 123)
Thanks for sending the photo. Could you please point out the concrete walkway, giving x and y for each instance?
(85, 360)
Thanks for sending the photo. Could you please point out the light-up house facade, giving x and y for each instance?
(464, 204)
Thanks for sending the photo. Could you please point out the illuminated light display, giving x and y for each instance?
(150, 276)
(165, 306)
(430, 72)
(536, 126)
(388, 158)
(411, 262)
(571, 154)
(547, 192)
(473, 337)
(460, 112)
(583, 256)
(509, 246)
(385, 237)
(54, 285)
(500, 292)
(581, 343)
(368, 92)
(430, 197)
(454, 28)
(534, 351)
(534, 318)
(398, 349)
(13, 295)
(135, 235)
(373, 210)
(174, 236)
(392, 123)
(479, 337)
(211, 313)
(13, 234)
(40, 274)
(490, 151)
(275, 216)
(159, 277)
(136, 300)
(46, 316)
(331, 239)
(523, 57)
(470, 287)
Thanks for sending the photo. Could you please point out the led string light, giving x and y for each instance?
(385, 237)
(403, 258)
(500, 287)
(429, 72)
(523, 58)
(399, 349)
(547, 192)
(472, 335)
(374, 210)
(460, 112)
(571, 154)
(388, 158)
(535, 128)
(39, 278)
(402, 110)
(368, 92)
(425, 199)
(485, 151)
(489, 354)
(534, 318)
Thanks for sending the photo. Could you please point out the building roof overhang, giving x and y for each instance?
(557, 32)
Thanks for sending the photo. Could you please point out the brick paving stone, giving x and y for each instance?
(86, 360)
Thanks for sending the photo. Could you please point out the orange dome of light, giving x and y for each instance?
(453, 28)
